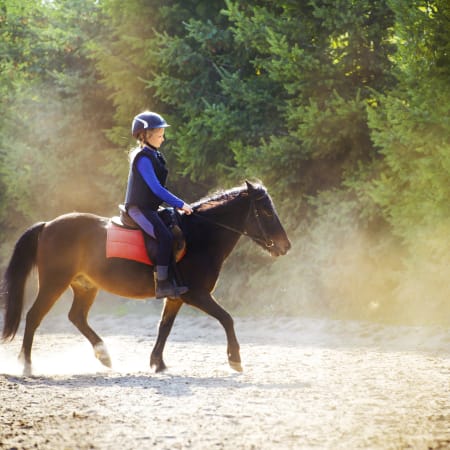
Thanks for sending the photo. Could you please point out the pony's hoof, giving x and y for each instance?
(101, 353)
(27, 370)
(235, 366)
(158, 366)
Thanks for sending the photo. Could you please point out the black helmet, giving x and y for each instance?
(145, 121)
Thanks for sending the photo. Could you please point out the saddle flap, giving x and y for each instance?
(123, 242)
(126, 243)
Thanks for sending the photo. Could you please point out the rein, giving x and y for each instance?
(264, 240)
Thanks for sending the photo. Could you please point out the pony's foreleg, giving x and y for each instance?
(170, 311)
(206, 302)
(84, 296)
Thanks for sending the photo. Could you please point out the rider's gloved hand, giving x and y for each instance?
(187, 208)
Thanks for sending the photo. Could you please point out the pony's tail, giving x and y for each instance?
(22, 261)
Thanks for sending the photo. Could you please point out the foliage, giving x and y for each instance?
(412, 128)
(253, 87)
(53, 112)
(138, 45)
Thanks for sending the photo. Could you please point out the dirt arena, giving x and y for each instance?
(307, 384)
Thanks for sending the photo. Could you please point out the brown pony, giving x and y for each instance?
(70, 251)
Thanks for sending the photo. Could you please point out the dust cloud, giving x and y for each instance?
(337, 269)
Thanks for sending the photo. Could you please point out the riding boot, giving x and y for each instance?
(164, 287)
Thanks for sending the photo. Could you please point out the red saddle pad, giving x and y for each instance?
(125, 243)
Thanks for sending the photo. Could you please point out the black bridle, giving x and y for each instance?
(266, 241)
(263, 239)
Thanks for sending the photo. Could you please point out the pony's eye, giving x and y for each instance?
(266, 212)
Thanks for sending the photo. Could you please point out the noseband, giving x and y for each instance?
(263, 239)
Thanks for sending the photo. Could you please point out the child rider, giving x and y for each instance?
(146, 191)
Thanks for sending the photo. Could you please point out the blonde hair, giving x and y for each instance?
(141, 137)
(144, 134)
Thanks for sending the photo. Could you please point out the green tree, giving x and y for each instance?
(263, 89)
(256, 89)
(327, 57)
(410, 127)
(146, 62)
(54, 112)
(411, 123)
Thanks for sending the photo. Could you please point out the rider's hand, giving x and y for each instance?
(187, 208)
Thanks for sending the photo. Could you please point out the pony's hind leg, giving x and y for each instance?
(47, 296)
(84, 296)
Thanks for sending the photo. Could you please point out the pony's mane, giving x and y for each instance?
(220, 198)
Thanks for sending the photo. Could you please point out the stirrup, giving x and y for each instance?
(165, 288)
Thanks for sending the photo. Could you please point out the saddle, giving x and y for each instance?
(125, 239)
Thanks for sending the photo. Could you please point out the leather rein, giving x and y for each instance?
(264, 240)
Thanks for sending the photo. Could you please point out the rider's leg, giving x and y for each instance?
(164, 285)
(149, 220)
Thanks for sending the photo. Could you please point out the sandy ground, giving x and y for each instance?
(307, 383)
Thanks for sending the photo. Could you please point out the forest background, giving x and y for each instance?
(340, 107)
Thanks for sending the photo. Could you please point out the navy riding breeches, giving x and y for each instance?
(151, 223)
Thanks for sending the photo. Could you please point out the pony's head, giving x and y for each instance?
(263, 225)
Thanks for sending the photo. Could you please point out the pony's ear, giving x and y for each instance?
(250, 187)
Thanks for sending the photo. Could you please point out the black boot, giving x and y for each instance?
(164, 287)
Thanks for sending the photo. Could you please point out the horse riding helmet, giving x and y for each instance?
(147, 120)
